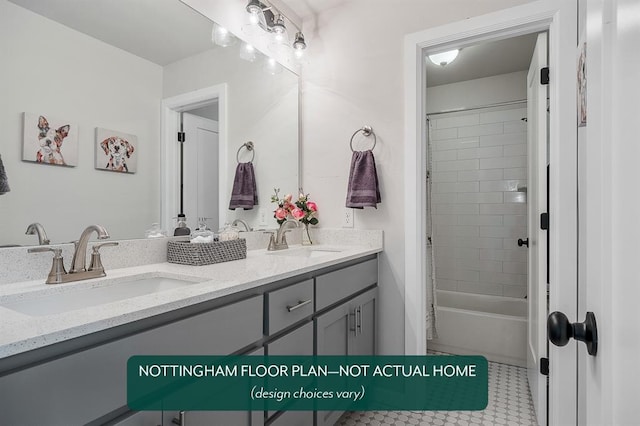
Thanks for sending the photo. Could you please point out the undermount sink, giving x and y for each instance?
(47, 302)
(310, 252)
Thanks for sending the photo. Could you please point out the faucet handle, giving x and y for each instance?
(57, 252)
(57, 267)
(97, 247)
(272, 240)
(96, 262)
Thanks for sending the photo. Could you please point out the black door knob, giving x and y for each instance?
(522, 242)
(560, 331)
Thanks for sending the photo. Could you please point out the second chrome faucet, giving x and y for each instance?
(78, 270)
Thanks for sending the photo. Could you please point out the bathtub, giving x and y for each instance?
(475, 324)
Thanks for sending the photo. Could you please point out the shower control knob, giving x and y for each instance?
(522, 242)
(560, 331)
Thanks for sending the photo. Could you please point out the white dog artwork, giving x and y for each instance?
(116, 151)
(49, 140)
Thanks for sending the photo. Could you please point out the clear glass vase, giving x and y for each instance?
(306, 235)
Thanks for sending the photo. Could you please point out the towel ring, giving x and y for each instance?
(367, 131)
(249, 146)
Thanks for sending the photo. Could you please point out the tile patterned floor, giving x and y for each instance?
(509, 404)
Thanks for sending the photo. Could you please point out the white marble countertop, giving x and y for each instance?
(20, 332)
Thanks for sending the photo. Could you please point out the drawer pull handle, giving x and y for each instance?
(300, 304)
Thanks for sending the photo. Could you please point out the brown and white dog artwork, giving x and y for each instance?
(49, 140)
(118, 150)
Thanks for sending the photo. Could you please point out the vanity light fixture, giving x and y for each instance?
(272, 21)
(299, 45)
(254, 8)
(444, 58)
(278, 28)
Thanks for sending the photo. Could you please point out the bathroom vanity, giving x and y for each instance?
(69, 367)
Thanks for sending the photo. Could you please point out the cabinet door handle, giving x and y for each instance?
(300, 304)
(359, 311)
(355, 321)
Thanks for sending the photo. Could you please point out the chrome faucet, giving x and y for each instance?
(78, 269)
(278, 241)
(37, 229)
(246, 226)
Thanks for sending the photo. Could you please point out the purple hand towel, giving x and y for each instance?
(244, 194)
(363, 190)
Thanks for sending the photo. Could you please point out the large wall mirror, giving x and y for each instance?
(78, 73)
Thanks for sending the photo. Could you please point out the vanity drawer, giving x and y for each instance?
(86, 385)
(338, 285)
(289, 305)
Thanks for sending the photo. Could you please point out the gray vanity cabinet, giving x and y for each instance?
(332, 312)
(235, 418)
(362, 341)
(348, 329)
(144, 418)
(348, 324)
(89, 384)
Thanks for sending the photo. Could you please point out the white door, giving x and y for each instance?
(610, 215)
(536, 205)
(200, 168)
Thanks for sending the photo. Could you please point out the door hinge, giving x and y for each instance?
(544, 221)
(544, 366)
(181, 137)
(544, 75)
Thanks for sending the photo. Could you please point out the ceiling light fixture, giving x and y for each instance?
(444, 58)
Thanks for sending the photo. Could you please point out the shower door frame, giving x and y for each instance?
(559, 18)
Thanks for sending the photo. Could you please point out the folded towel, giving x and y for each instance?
(4, 182)
(363, 188)
(244, 194)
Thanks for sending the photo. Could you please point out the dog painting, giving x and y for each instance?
(116, 151)
(48, 140)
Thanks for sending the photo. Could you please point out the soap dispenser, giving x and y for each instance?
(181, 229)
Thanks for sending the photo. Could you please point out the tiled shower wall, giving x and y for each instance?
(478, 172)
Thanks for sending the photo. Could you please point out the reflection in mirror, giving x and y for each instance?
(67, 61)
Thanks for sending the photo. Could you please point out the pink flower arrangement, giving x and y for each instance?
(301, 210)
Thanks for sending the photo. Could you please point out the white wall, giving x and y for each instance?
(354, 77)
(478, 163)
(262, 108)
(478, 92)
(48, 68)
